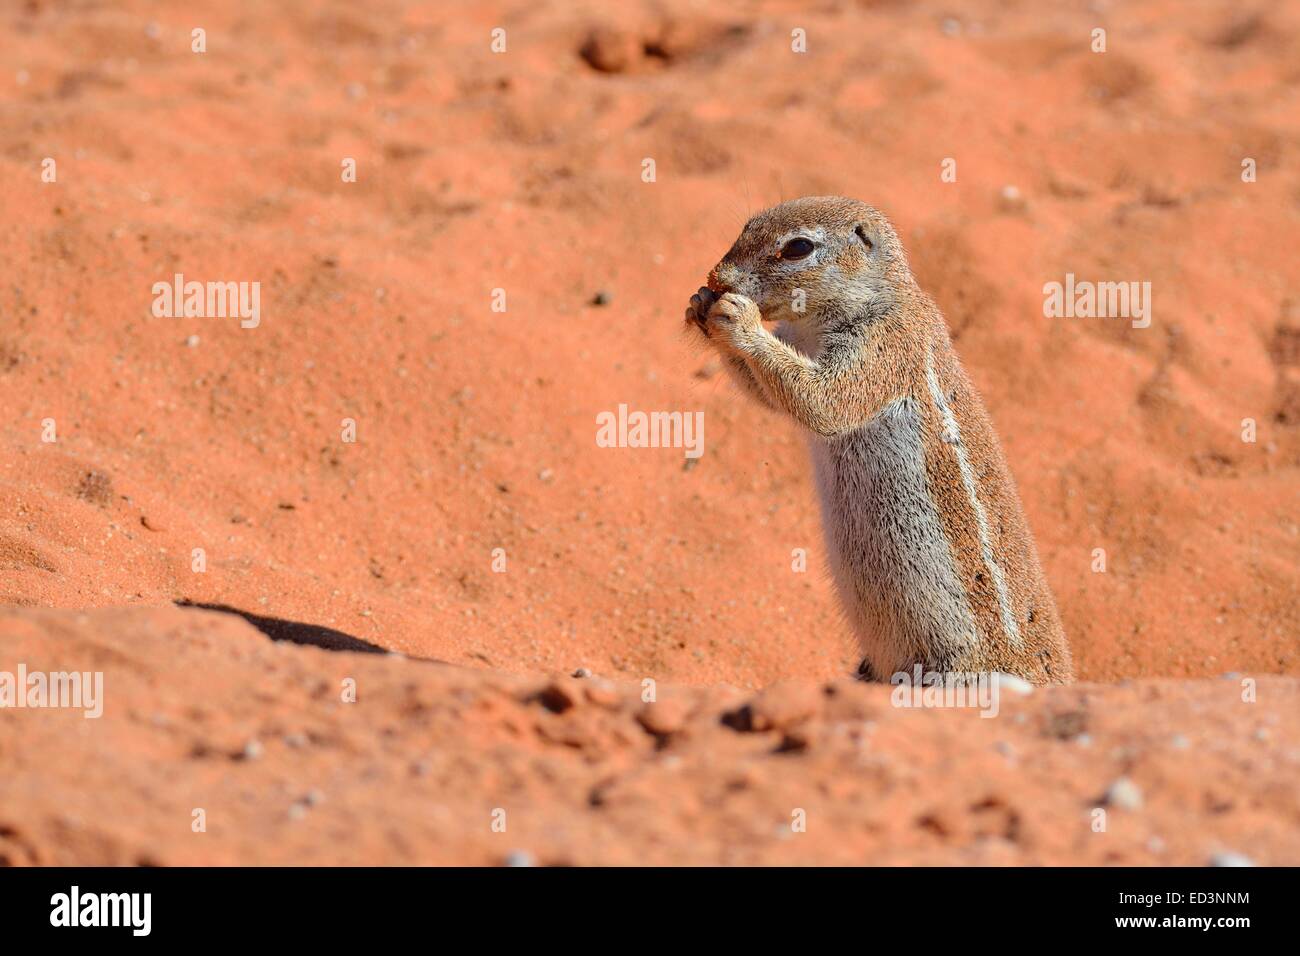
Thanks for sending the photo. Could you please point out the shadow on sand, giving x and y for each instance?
(278, 629)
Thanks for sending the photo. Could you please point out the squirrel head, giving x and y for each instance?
(815, 258)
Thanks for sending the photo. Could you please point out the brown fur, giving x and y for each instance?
(860, 368)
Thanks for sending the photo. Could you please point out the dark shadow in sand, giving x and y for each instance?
(278, 629)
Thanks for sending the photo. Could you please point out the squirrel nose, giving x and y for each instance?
(723, 278)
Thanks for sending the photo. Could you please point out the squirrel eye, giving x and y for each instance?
(797, 249)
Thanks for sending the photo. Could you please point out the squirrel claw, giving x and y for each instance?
(698, 311)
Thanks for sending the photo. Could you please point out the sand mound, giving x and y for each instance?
(434, 763)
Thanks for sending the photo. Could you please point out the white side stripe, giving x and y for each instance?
(952, 436)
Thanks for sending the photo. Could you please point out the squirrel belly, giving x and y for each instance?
(927, 544)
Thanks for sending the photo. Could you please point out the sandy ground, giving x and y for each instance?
(475, 429)
(208, 724)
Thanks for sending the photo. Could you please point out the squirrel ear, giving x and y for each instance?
(861, 231)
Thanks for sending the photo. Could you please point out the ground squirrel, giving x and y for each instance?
(931, 554)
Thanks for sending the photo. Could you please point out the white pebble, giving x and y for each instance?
(1017, 685)
(1124, 793)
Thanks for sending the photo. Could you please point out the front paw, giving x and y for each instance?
(735, 319)
(697, 312)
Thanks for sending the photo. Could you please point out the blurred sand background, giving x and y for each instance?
(476, 429)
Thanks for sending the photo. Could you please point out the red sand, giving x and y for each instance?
(203, 713)
(476, 429)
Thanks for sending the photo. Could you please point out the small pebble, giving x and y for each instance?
(520, 858)
(1011, 199)
(253, 749)
(784, 705)
(1231, 859)
(602, 693)
(582, 672)
(1017, 685)
(1124, 793)
(663, 717)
